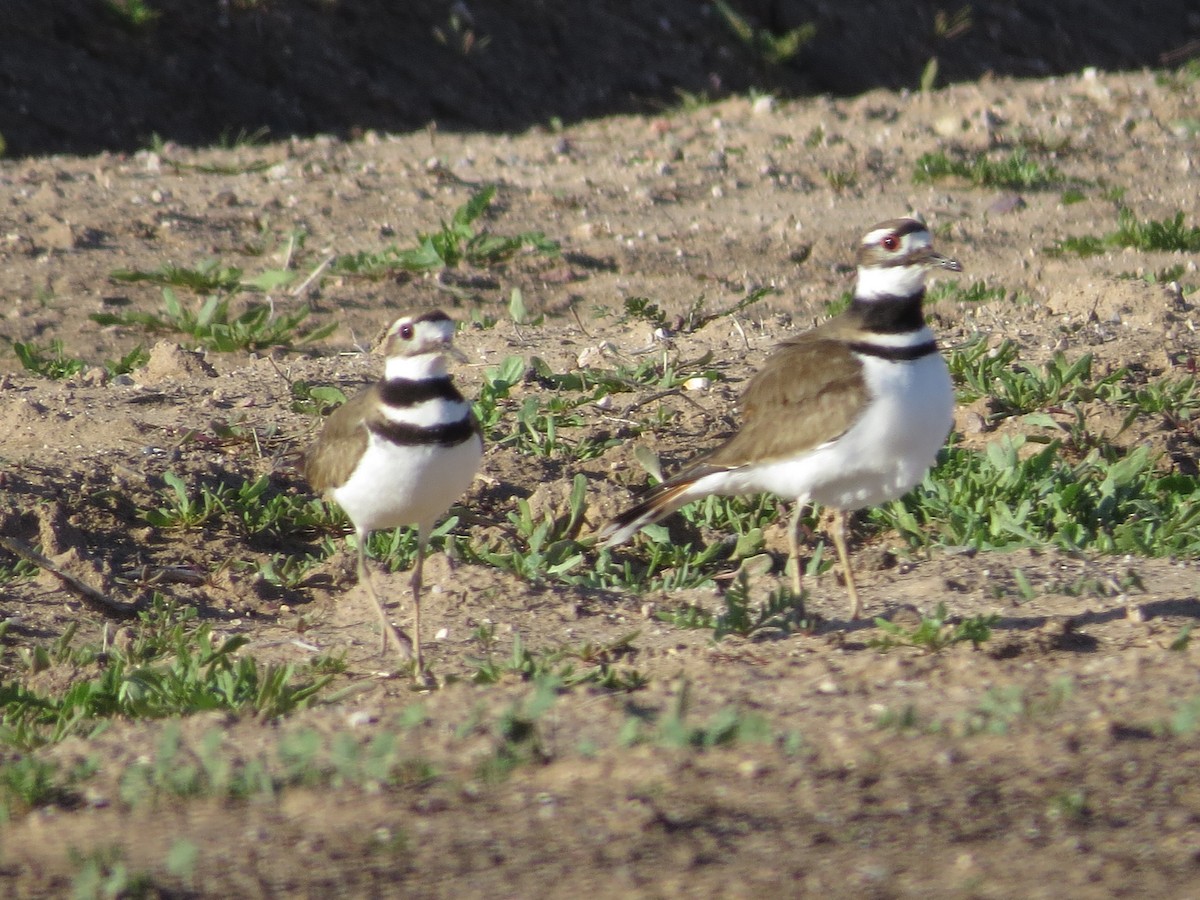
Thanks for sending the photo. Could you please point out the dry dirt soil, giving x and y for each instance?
(1036, 765)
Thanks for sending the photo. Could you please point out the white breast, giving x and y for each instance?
(407, 485)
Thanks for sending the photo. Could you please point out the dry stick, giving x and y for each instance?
(23, 550)
(303, 286)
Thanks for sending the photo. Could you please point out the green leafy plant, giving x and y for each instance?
(1003, 708)
(726, 728)
(213, 326)
(181, 508)
(696, 319)
(586, 664)
(517, 735)
(1151, 235)
(172, 666)
(457, 242)
(102, 873)
(51, 362)
(934, 633)
(315, 400)
(133, 15)
(769, 47)
(1016, 170)
(1008, 498)
(780, 612)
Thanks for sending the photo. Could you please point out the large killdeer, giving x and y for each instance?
(850, 414)
(400, 452)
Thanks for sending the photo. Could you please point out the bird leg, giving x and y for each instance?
(422, 539)
(390, 632)
(837, 531)
(794, 548)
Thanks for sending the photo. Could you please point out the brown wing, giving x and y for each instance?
(809, 391)
(330, 461)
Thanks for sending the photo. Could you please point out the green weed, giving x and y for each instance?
(766, 46)
(1184, 721)
(726, 728)
(455, 243)
(934, 633)
(102, 874)
(906, 720)
(695, 319)
(954, 292)
(47, 362)
(590, 664)
(214, 327)
(517, 736)
(1151, 235)
(181, 508)
(1008, 498)
(319, 400)
(133, 15)
(1001, 709)
(780, 612)
(1183, 640)
(1016, 170)
(543, 548)
(171, 667)
(53, 362)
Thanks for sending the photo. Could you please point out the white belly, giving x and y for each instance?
(407, 485)
(882, 456)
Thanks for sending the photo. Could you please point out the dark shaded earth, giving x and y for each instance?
(78, 76)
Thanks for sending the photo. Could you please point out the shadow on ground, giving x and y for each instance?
(82, 76)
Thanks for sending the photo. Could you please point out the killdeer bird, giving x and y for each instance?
(850, 414)
(401, 451)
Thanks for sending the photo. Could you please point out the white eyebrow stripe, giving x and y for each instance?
(909, 241)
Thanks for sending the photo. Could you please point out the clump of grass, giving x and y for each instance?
(586, 664)
(457, 242)
(726, 728)
(48, 362)
(1006, 498)
(213, 326)
(53, 362)
(781, 612)
(934, 633)
(172, 666)
(768, 47)
(1151, 235)
(250, 508)
(1016, 170)
(955, 292)
(133, 15)
(696, 319)
(1003, 708)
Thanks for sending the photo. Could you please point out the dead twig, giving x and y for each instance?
(85, 590)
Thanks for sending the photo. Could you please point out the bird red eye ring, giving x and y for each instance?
(406, 332)
(890, 242)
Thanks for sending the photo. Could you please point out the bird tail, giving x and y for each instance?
(658, 504)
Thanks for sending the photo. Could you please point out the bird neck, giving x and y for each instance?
(415, 368)
(889, 314)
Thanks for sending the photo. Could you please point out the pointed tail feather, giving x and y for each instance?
(661, 502)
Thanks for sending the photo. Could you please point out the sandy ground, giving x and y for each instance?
(1037, 765)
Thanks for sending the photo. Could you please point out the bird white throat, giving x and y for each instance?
(850, 414)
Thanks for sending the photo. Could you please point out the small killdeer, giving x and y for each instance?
(400, 452)
(850, 414)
